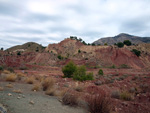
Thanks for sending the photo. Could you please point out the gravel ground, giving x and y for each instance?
(31, 102)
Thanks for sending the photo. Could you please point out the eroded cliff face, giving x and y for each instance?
(103, 56)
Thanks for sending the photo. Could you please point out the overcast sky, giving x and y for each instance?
(50, 21)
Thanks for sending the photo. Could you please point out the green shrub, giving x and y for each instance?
(100, 72)
(120, 44)
(69, 69)
(79, 51)
(125, 96)
(112, 67)
(136, 52)
(124, 66)
(80, 74)
(10, 69)
(18, 53)
(60, 57)
(127, 42)
(1, 68)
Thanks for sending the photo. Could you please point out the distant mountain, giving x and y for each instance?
(121, 37)
(28, 47)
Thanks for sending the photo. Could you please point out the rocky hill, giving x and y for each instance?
(120, 38)
(61, 53)
(28, 47)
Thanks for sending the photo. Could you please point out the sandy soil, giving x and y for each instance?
(31, 102)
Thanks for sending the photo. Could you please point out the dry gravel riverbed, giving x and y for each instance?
(31, 102)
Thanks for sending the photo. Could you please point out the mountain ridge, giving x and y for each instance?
(120, 38)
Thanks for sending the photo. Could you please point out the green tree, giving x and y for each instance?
(69, 69)
(100, 72)
(127, 42)
(120, 44)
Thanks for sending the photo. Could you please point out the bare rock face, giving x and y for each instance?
(69, 49)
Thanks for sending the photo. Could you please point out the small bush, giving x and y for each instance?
(30, 80)
(120, 44)
(48, 83)
(79, 88)
(9, 86)
(1, 68)
(6, 72)
(124, 66)
(100, 72)
(99, 103)
(125, 96)
(36, 87)
(11, 70)
(136, 52)
(127, 42)
(112, 67)
(80, 74)
(70, 98)
(69, 69)
(79, 51)
(1, 88)
(60, 57)
(17, 91)
(50, 92)
(115, 94)
(11, 78)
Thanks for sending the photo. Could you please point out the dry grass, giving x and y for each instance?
(126, 96)
(79, 88)
(30, 80)
(11, 77)
(70, 98)
(17, 91)
(20, 75)
(61, 93)
(9, 85)
(6, 72)
(36, 87)
(50, 92)
(48, 83)
(1, 88)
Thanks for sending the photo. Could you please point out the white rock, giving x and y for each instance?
(31, 102)
(9, 94)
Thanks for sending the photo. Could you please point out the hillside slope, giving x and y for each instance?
(121, 37)
(28, 47)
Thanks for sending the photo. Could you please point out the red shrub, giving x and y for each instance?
(99, 102)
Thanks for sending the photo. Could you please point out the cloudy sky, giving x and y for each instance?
(50, 21)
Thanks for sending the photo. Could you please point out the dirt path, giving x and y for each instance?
(31, 102)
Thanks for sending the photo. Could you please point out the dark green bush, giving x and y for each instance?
(127, 42)
(80, 74)
(60, 57)
(18, 53)
(10, 69)
(1, 68)
(120, 44)
(136, 52)
(100, 72)
(79, 51)
(124, 66)
(69, 69)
